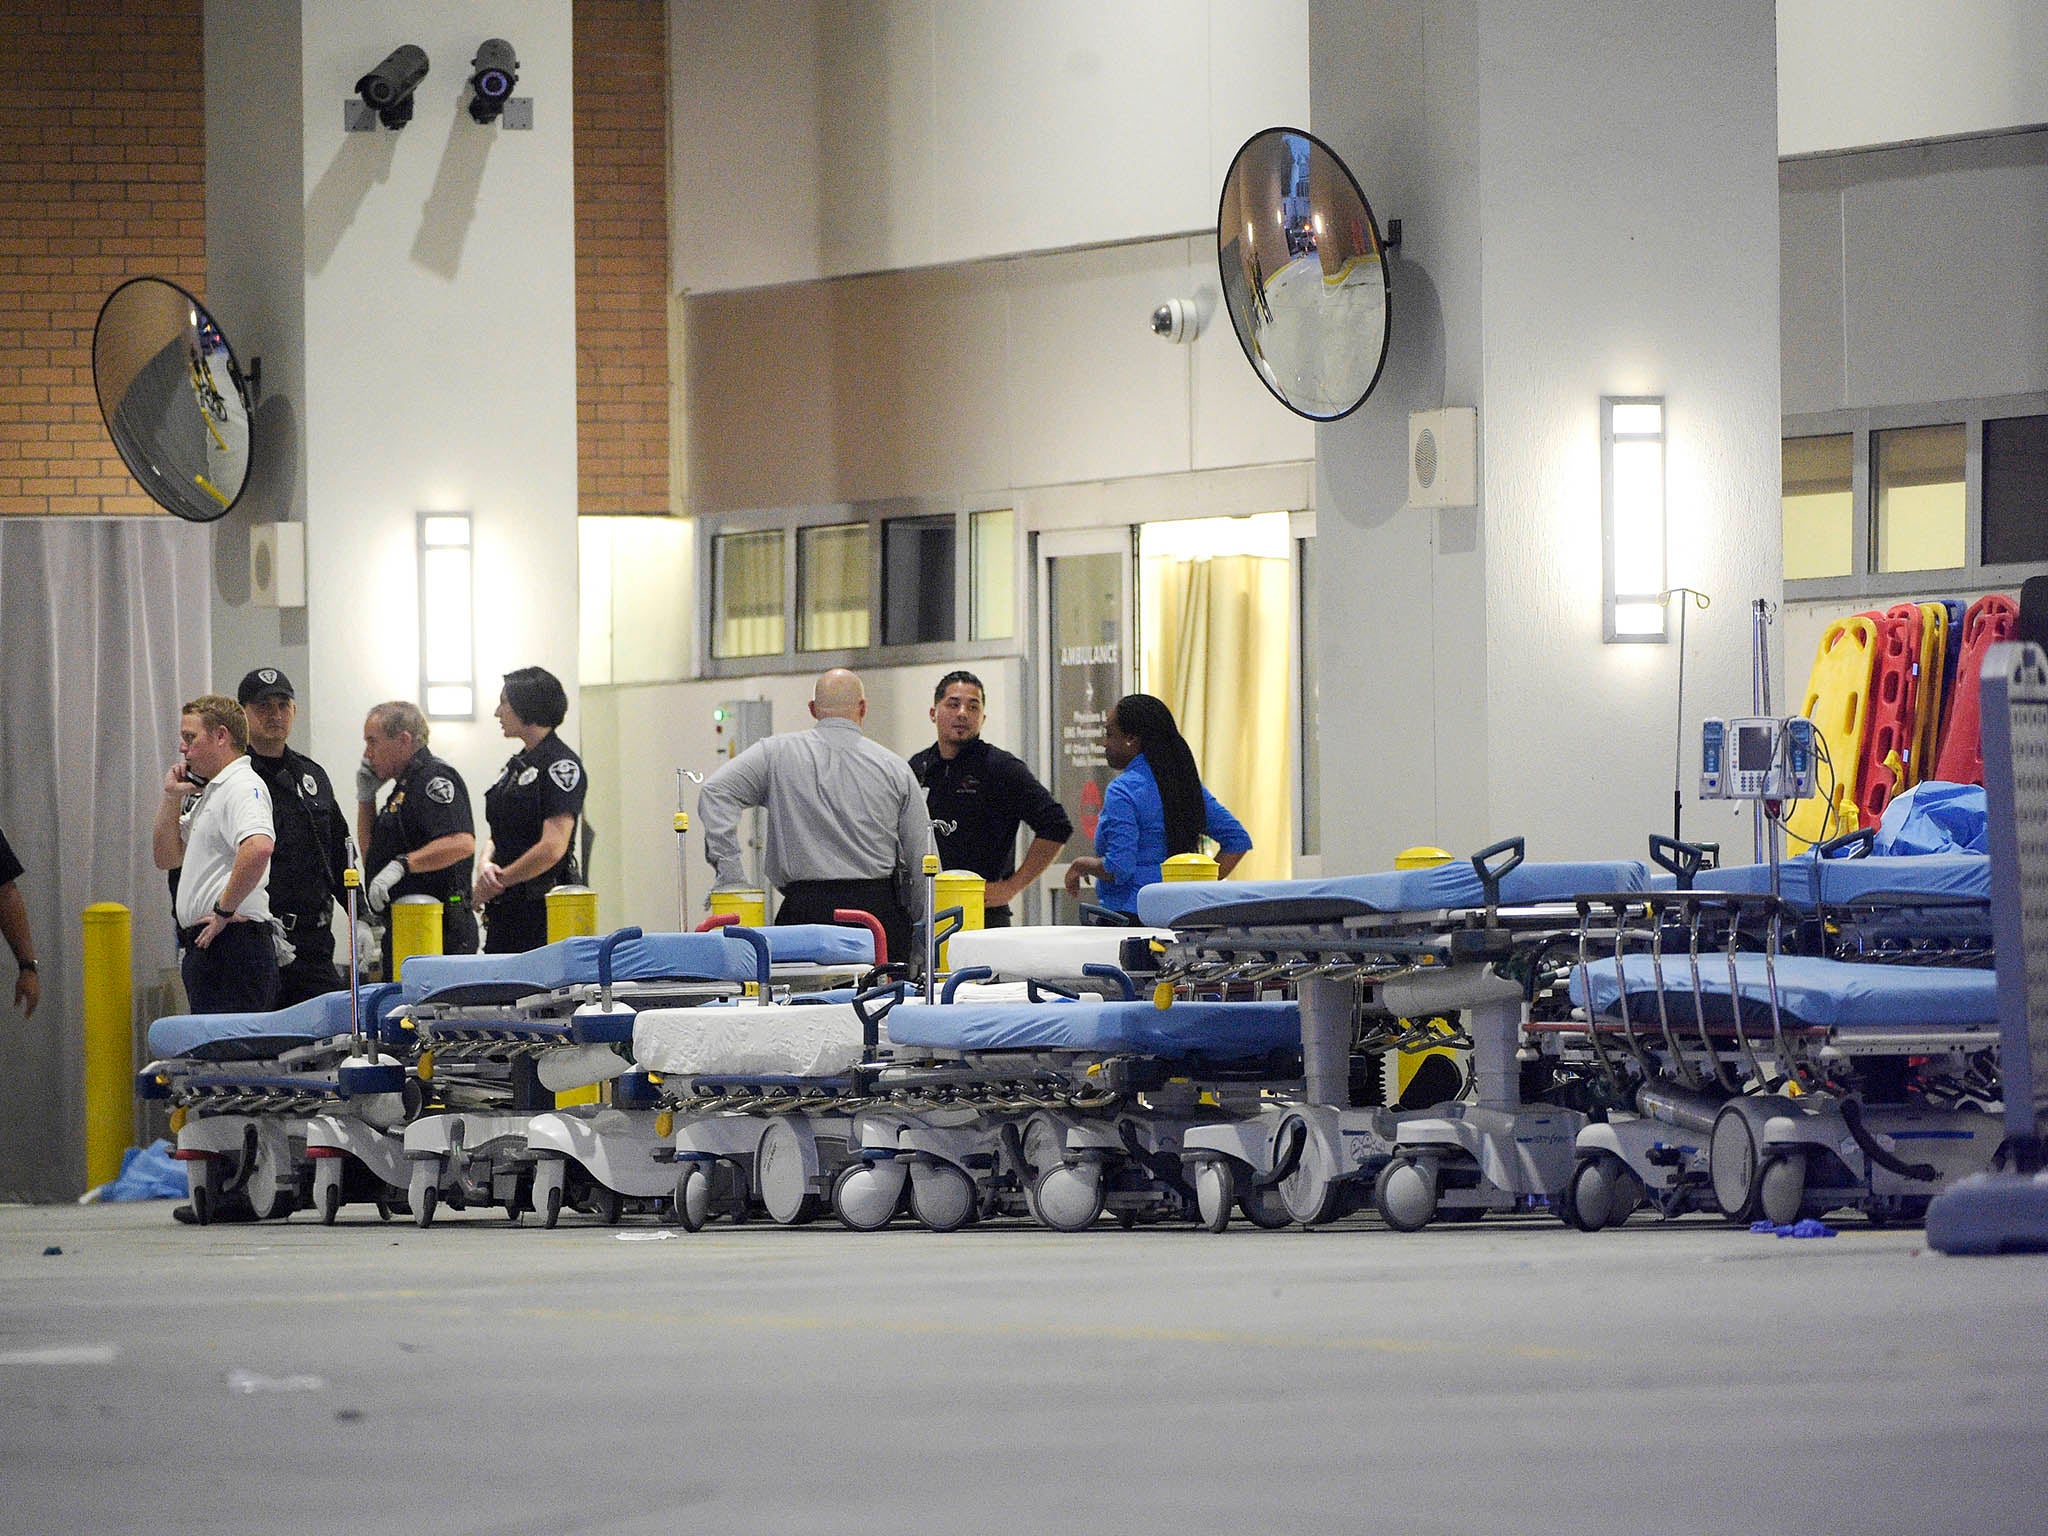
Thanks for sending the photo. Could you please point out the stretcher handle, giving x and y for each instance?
(718, 920)
(1115, 973)
(1105, 917)
(870, 1023)
(610, 942)
(1683, 860)
(967, 973)
(754, 937)
(946, 922)
(1038, 991)
(855, 918)
(1859, 843)
(1490, 877)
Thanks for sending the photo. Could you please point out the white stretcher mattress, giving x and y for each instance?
(750, 1040)
(1902, 878)
(1834, 994)
(1214, 1031)
(1042, 953)
(1455, 885)
(253, 1036)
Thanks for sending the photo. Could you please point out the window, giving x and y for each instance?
(1920, 498)
(746, 594)
(1820, 506)
(1904, 500)
(992, 575)
(2016, 490)
(917, 580)
(832, 587)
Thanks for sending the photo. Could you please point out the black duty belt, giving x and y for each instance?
(303, 922)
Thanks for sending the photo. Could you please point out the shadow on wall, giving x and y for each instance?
(266, 497)
(362, 161)
(451, 206)
(1364, 447)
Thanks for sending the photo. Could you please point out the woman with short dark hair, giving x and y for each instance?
(1154, 808)
(532, 813)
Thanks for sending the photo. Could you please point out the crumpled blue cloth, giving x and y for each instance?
(1935, 817)
(147, 1173)
(1806, 1228)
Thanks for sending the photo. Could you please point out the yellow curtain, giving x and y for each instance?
(1215, 649)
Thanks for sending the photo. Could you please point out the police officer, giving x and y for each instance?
(312, 837)
(986, 794)
(532, 812)
(421, 841)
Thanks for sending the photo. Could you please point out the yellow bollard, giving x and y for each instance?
(109, 951)
(1188, 866)
(572, 913)
(750, 907)
(415, 930)
(964, 889)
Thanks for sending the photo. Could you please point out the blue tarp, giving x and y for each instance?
(147, 1173)
(1935, 817)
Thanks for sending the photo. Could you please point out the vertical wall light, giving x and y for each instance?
(447, 626)
(1632, 519)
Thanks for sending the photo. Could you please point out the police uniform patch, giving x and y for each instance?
(528, 775)
(566, 772)
(441, 790)
(311, 787)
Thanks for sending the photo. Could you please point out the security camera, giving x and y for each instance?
(493, 73)
(387, 89)
(1176, 320)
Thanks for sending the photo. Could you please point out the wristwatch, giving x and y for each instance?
(26, 965)
(225, 914)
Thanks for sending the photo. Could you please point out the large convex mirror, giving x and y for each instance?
(1304, 273)
(173, 397)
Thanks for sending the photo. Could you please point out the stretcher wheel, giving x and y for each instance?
(1310, 1195)
(781, 1177)
(551, 1206)
(207, 1186)
(607, 1205)
(866, 1196)
(270, 1190)
(422, 1194)
(1070, 1198)
(1264, 1209)
(1215, 1192)
(330, 1199)
(941, 1196)
(1781, 1188)
(1405, 1194)
(545, 1194)
(1732, 1166)
(1590, 1194)
(693, 1197)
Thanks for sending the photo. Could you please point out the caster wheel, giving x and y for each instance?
(1733, 1167)
(330, 1201)
(1591, 1194)
(607, 1205)
(781, 1178)
(1405, 1195)
(422, 1195)
(385, 1210)
(1069, 1199)
(941, 1196)
(1628, 1196)
(551, 1207)
(1310, 1195)
(866, 1196)
(423, 1207)
(205, 1187)
(1781, 1188)
(1215, 1192)
(1124, 1219)
(1264, 1209)
(693, 1197)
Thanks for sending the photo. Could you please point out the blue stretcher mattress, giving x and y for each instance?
(1454, 885)
(818, 944)
(1214, 1031)
(1890, 878)
(254, 1036)
(487, 979)
(1834, 994)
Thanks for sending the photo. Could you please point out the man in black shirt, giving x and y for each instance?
(986, 793)
(422, 840)
(312, 837)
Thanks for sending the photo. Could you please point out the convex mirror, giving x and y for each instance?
(1304, 273)
(173, 397)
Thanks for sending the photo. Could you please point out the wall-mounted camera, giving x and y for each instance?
(493, 74)
(387, 89)
(1177, 320)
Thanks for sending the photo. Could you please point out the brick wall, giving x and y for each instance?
(622, 351)
(102, 178)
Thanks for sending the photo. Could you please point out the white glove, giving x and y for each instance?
(366, 783)
(377, 895)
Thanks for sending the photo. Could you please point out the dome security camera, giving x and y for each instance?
(1177, 320)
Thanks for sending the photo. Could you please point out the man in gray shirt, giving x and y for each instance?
(847, 825)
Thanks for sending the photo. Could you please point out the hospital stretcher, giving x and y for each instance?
(1373, 958)
(1765, 1083)
(1910, 909)
(249, 1090)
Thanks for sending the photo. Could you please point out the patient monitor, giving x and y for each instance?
(1756, 758)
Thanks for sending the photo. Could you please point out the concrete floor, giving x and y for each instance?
(1507, 1377)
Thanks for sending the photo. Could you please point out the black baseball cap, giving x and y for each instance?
(261, 684)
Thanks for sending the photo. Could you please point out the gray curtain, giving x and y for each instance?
(105, 630)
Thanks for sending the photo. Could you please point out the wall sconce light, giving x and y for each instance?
(1632, 520)
(447, 627)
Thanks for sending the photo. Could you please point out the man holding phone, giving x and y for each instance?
(215, 826)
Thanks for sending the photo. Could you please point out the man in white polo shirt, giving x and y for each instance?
(214, 825)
